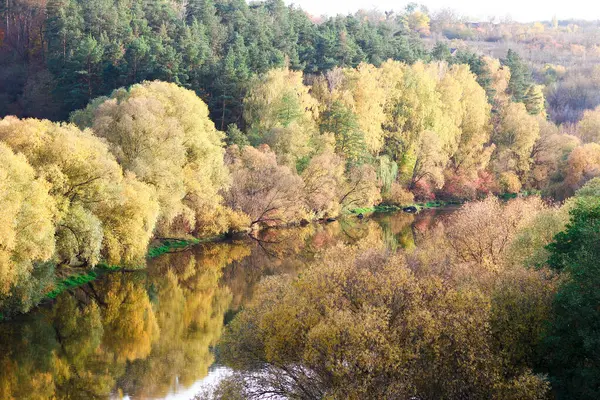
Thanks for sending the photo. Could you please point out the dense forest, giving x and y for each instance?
(127, 123)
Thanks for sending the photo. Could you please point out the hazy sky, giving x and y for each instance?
(519, 10)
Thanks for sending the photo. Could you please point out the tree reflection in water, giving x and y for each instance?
(150, 333)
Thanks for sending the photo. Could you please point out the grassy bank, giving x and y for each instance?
(434, 204)
(394, 208)
(82, 278)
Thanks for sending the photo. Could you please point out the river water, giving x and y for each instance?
(151, 334)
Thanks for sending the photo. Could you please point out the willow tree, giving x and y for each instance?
(410, 108)
(437, 120)
(162, 133)
(99, 213)
(26, 220)
(475, 128)
(360, 91)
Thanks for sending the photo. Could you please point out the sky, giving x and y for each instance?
(518, 10)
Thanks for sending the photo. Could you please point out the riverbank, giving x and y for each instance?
(162, 247)
(396, 208)
(159, 247)
(74, 278)
(71, 278)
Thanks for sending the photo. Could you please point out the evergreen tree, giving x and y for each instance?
(349, 140)
(229, 85)
(441, 52)
(571, 349)
(520, 76)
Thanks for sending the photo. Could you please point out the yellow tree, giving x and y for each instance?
(583, 164)
(87, 185)
(366, 324)
(26, 219)
(471, 153)
(412, 106)
(500, 76)
(162, 133)
(436, 115)
(588, 128)
(549, 155)
(360, 90)
(515, 137)
(280, 112)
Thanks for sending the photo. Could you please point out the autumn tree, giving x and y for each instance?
(358, 90)
(323, 179)
(87, 185)
(583, 164)
(588, 129)
(162, 134)
(308, 337)
(27, 220)
(267, 192)
(500, 77)
(471, 147)
(360, 189)
(515, 137)
(280, 112)
(483, 231)
(549, 155)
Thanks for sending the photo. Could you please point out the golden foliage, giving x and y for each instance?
(362, 324)
(481, 232)
(26, 219)
(515, 138)
(267, 192)
(280, 112)
(583, 165)
(89, 189)
(162, 133)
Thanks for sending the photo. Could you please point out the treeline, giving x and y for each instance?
(497, 302)
(147, 162)
(57, 55)
(154, 166)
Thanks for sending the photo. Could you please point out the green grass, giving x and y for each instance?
(170, 245)
(72, 282)
(394, 208)
(83, 278)
(525, 193)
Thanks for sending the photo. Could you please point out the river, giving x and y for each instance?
(151, 334)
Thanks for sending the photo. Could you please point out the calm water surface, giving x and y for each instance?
(151, 334)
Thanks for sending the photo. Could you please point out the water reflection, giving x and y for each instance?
(150, 334)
